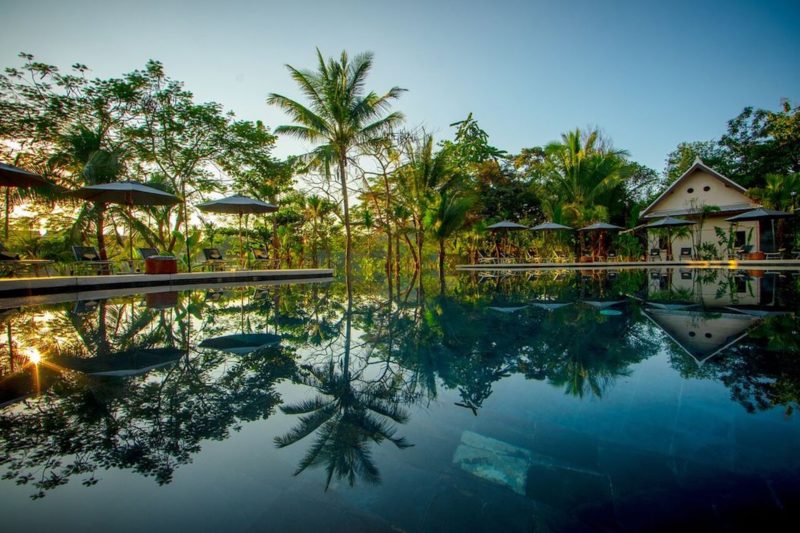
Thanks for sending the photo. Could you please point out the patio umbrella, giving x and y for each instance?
(11, 176)
(127, 193)
(762, 213)
(550, 226)
(238, 205)
(602, 227)
(506, 226)
(669, 223)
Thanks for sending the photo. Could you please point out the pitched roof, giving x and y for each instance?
(697, 165)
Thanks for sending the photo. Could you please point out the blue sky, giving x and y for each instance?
(649, 73)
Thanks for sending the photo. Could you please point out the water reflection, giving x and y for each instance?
(139, 383)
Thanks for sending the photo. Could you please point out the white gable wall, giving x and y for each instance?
(690, 194)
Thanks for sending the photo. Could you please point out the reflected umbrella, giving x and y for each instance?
(241, 343)
(134, 362)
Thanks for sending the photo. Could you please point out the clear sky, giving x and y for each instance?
(649, 73)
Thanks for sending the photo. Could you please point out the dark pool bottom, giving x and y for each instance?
(504, 404)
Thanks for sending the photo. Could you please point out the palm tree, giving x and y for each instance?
(427, 173)
(339, 118)
(445, 218)
(89, 162)
(317, 208)
(581, 170)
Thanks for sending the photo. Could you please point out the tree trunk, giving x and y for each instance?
(397, 254)
(314, 262)
(348, 239)
(100, 211)
(413, 252)
(441, 260)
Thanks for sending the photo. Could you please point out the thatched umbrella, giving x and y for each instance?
(762, 213)
(551, 226)
(669, 223)
(602, 228)
(238, 205)
(11, 176)
(505, 226)
(129, 194)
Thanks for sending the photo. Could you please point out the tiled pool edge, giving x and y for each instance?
(792, 264)
(26, 287)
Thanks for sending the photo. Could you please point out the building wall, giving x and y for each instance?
(718, 194)
(708, 234)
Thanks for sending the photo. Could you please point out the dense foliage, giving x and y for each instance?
(368, 184)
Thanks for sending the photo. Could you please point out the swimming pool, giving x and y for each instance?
(560, 400)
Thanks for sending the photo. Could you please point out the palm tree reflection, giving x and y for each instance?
(349, 411)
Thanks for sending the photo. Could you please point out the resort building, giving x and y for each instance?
(700, 187)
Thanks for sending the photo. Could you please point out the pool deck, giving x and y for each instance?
(745, 264)
(27, 291)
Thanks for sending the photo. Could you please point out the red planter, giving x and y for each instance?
(160, 264)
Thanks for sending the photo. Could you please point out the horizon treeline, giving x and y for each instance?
(371, 189)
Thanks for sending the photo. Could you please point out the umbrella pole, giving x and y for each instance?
(774, 239)
(186, 229)
(130, 235)
(241, 246)
(8, 210)
(669, 245)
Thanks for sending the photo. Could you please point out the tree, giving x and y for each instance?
(339, 118)
(684, 156)
(582, 172)
(447, 215)
(762, 142)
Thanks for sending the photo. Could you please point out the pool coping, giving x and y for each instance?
(26, 287)
(102, 294)
(745, 264)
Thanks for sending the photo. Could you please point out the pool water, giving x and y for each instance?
(550, 400)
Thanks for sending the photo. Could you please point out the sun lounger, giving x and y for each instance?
(214, 260)
(88, 259)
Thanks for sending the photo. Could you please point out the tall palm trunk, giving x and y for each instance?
(348, 245)
(100, 210)
(314, 251)
(441, 260)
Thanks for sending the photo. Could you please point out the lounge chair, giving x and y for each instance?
(214, 259)
(532, 257)
(686, 253)
(485, 258)
(12, 265)
(87, 257)
(655, 252)
(261, 257)
(774, 255)
(144, 253)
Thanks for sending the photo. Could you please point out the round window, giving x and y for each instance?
(708, 335)
(706, 188)
(692, 333)
(690, 190)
